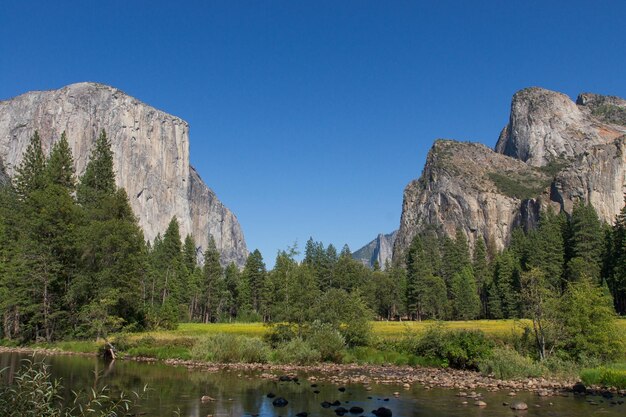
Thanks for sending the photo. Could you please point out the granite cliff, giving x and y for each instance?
(553, 152)
(151, 151)
(378, 250)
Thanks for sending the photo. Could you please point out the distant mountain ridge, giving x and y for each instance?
(378, 250)
(151, 157)
(552, 152)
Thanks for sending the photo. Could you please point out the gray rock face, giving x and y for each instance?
(546, 125)
(552, 152)
(458, 189)
(378, 250)
(151, 157)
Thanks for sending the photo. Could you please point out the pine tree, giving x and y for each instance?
(465, 301)
(587, 242)
(254, 275)
(231, 284)
(60, 167)
(506, 285)
(549, 249)
(480, 267)
(99, 178)
(212, 279)
(171, 267)
(29, 175)
(616, 263)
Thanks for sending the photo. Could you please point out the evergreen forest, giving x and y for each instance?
(74, 264)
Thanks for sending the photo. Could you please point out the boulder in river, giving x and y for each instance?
(280, 402)
(579, 388)
(519, 406)
(382, 412)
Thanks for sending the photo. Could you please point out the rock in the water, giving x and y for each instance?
(151, 158)
(382, 412)
(579, 388)
(271, 395)
(302, 414)
(340, 411)
(336, 403)
(519, 406)
(480, 403)
(280, 402)
(326, 404)
(206, 398)
(341, 389)
(356, 410)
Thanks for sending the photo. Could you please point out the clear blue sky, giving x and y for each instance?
(308, 118)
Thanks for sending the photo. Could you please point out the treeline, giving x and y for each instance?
(73, 259)
(74, 263)
(445, 281)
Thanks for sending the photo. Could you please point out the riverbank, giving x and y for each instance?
(467, 383)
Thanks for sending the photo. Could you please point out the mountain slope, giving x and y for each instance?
(552, 152)
(151, 157)
(378, 250)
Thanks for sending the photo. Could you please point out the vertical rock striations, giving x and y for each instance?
(151, 157)
(378, 250)
(552, 152)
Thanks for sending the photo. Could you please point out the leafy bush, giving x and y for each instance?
(608, 377)
(506, 363)
(297, 351)
(327, 340)
(280, 333)
(460, 349)
(35, 394)
(347, 312)
(229, 348)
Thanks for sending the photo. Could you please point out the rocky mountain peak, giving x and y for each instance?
(151, 157)
(545, 126)
(552, 152)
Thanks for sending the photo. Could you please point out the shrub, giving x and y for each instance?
(327, 340)
(297, 351)
(604, 376)
(347, 312)
(280, 333)
(506, 363)
(460, 349)
(229, 348)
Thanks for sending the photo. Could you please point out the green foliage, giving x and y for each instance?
(610, 113)
(348, 313)
(522, 186)
(586, 243)
(589, 328)
(228, 348)
(298, 352)
(98, 181)
(605, 376)
(30, 174)
(465, 299)
(506, 363)
(460, 349)
(326, 340)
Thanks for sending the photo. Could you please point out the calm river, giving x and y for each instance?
(175, 389)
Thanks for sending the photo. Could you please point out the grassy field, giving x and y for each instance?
(391, 329)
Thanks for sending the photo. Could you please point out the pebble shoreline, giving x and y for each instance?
(366, 375)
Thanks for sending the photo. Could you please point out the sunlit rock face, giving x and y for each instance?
(151, 157)
(552, 152)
